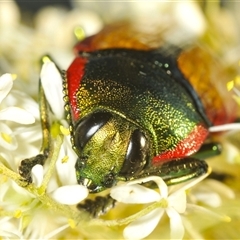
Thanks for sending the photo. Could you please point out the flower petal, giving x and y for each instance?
(52, 84)
(188, 184)
(212, 192)
(220, 188)
(70, 194)
(66, 169)
(134, 194)
(225, 127)
(178, 201)
(16, 114)
(176, 225)
(210, 198)
(6, 82)
(161, 184)
(24, 101)
(56, 231)
(158, 180)
(37, 175)
(7, 138)
(143, 226)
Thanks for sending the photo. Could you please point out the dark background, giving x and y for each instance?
(32, 6)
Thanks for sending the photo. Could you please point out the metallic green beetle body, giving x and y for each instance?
(143, 94)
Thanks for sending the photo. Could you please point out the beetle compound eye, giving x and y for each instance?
(88, 126)
(137, 154)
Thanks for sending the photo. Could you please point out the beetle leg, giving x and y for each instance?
(27, 164)
(177, 170)
(208, 150)
(180, 170)
(99, 206)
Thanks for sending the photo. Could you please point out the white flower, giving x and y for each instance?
(63, 188)
(24, 207)
(18, 202)
(37, 175)
(173, 203)
(12, 113)
(8, 229)
(211, 193)
(16, 111)
(9, 14)
(7, 137)
(52, 84)
(65, 166)
(70, 195)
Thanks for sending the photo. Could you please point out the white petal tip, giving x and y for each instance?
(225, 127)
(6, 77)
(143, 226)
(70, 194)
(37, 175)
(6, 82)
(52, 84)
(17, 114)
(134, 194)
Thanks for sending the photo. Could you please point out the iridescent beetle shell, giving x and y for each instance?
(134, 110)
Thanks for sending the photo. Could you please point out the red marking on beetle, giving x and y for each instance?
(74, 76)
(186, 147)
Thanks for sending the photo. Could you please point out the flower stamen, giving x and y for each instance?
(64, 131)
(65, 159)
(6, 137)
(72, 223)
(18, 213)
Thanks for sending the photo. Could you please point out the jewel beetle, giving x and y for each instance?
(136, 110)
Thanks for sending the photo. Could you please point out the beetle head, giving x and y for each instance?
(110, 149)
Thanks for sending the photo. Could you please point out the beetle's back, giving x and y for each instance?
(134, 85)
(206, 75)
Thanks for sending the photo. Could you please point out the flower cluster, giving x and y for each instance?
(16, 201)
(46, 207)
